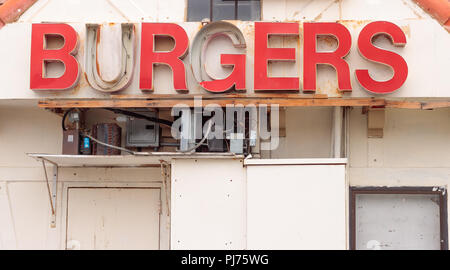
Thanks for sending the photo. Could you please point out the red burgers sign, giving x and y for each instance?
(263, 53)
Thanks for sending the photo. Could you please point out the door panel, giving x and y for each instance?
(296, 207)
(397, 221)
(113, 218)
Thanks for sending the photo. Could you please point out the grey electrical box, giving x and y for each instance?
(236, 143)
(142, 132)
(216, 145)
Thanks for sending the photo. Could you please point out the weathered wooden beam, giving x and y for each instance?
(403, 104)
(138, 103)
(221, 96)
(435, 105)
(417, 104)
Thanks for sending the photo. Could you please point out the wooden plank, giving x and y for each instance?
(115, 103)
(220, 96)
(435, 105)
(417, 104)
(403, 104)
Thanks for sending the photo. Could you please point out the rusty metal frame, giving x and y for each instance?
(443, 214)
(11, 10)
(53, 191)
(439, 9)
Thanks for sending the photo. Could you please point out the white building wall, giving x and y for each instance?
(427, 72)
(308, 134)
(414, 150)
(25, 211)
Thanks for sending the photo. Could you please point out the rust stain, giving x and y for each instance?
(199, 26)
(248, 30)
(318, 17)
(355, 24)
(98, 43)
(83, 81)
(77, 87)
(331, 41)
(407, 30)
(86, 80)
(330, 88)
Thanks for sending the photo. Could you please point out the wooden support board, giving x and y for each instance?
(221, 96)
(168, 103)
(283, 100)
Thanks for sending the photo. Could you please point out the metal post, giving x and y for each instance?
(54, 190)
(337, 132)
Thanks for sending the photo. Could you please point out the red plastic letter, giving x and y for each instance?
(172, 58)
(39, 54)
(263, 55)
(311, 57)
(236, 78)
(375, 54)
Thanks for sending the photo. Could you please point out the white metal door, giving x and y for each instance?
(113, 218)
(207, 204)
(296, 207)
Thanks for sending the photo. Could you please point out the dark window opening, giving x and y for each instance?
(216, 10)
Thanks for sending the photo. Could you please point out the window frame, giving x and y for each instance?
(443, 214)
(211, 9)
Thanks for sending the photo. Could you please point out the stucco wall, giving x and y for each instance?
(413, 151)
(25, 212)
(427, 77)
(308, 134)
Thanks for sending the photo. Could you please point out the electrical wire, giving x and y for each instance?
(113, 146)
(123, 112)
(132, 114)
(141, 116)
(64, 118)
(136, 115)
(192, 149)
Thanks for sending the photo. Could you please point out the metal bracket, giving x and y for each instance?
(52, 191)
(165, 173)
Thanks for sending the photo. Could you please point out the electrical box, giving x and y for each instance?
(108, 133)
(71, 142)
(236, 143)
(216, 145)
(142, 132)
(191, 129)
